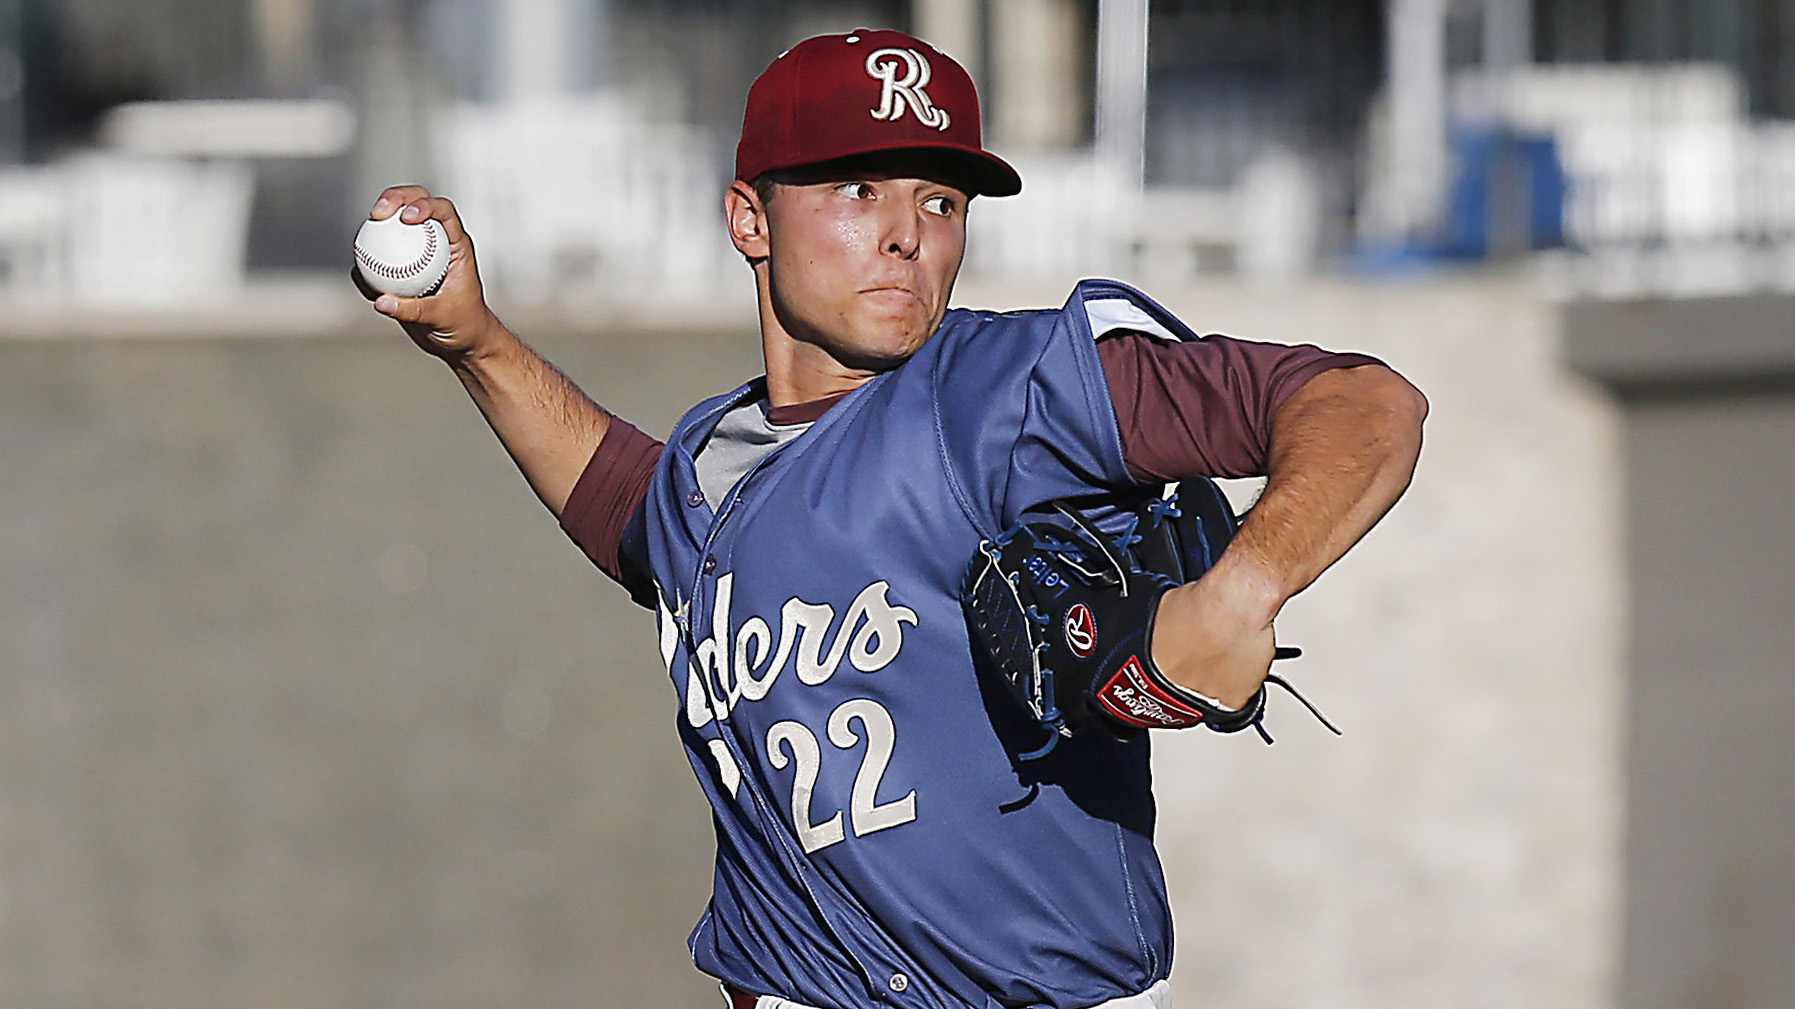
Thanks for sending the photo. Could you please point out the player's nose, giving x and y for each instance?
(902, 233)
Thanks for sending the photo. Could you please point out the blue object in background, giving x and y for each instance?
(1507, 194)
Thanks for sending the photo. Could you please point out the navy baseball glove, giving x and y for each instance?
(1065, 613)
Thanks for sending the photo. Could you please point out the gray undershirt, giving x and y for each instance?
(739, 441)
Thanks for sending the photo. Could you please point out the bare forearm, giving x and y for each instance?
(1343, 450)
(545, 422)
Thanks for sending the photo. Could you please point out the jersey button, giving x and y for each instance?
(898, 983)
(710, 564)
(695, 498)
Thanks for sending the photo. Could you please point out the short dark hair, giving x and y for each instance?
(764, 186)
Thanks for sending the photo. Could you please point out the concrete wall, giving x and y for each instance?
(1458, 846)
(1708, 394)
(307, 703)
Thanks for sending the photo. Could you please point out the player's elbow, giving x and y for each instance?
(1381, 393)
(1415, 400)
(1406, 404)
(1385, 411)
(1403, 411)
(1371, 393)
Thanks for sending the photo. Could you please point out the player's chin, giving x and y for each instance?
(876, 359)
(883, 347)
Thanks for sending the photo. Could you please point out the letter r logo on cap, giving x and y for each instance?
(895, 93)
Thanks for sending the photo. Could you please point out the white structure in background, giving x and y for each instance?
(1073, 217)
(582, 197)
(1673, 190)
(1089, 211)
(548, 49)
(575, 193)
(155, 231)
(1121, 92)
(1407, 178)
(647, 221)
(159, 214)
(1279, 194)
(33, 231)
(1653, 152)
(1076, 212)
(229, 128)
(1266, 226)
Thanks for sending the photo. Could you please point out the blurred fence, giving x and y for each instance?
(1655, 152)
(119, 229)
(582, 197)
(1261, 158)
(1672, 187)
(158, 212)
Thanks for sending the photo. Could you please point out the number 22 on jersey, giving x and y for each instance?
(792, 744)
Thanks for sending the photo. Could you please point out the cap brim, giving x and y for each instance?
(978, 173)
(989, 174)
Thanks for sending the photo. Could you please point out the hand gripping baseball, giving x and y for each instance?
(1066, 616)
(454, 320)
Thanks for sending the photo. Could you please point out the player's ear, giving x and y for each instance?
(747, 219)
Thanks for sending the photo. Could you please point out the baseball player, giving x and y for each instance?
(884, 836)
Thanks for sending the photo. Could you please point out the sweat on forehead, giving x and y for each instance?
(869, 92)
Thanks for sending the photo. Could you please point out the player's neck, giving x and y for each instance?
(799, 371)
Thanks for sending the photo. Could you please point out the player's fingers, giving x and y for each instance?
(407, 310)
(443, 209)
(394, 199)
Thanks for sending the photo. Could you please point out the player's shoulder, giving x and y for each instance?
(980, 358)
(1095, 307)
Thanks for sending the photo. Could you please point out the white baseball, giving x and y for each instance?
(408, 260)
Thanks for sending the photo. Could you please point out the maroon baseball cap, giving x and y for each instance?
(835, 96)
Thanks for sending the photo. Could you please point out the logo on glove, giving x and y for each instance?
(1081, 631)
(1132, 696)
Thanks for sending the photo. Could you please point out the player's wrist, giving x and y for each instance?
(484, 343)
(1217, 712)
(1214, 642)
(491, 337)
(1244, 585)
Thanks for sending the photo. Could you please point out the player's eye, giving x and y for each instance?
(855, 190)
(942, 206)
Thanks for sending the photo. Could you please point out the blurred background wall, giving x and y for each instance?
(307, 703)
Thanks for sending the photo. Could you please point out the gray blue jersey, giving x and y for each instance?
(879, 841)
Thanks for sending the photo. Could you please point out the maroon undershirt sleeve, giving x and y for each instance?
(608, 494)
(1183, 409)
(1204, 408)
